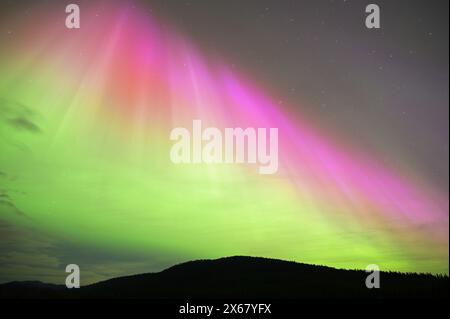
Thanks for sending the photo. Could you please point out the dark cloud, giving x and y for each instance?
(7, 205)
(18, 116)
(4, 196)
(29, 254)
(26, 254)
(108, 263)
(24, 124)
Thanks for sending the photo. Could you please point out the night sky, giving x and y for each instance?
(388, 87)
(382, 91)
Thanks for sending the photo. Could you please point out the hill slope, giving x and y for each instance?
(242, 277)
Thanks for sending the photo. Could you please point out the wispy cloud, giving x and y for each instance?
(7, 205)
(24, 124)
(18, 116)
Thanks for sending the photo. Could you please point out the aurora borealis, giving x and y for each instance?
(85, 174)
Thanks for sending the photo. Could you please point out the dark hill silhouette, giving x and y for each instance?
(243, 277)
